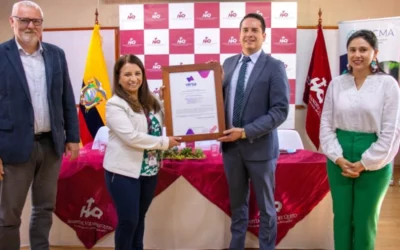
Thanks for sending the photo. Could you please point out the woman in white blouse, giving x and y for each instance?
(132, 158)
(359, 134)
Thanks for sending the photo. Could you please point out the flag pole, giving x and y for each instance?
(319, 17)
(97, 15)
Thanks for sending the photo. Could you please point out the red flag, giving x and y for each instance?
(318, 79)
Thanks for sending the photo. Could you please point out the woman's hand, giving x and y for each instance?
(358, 167)
(347, 168)
(174, 141)
(161, 92)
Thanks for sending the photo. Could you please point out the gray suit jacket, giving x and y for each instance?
(265, 106)
(16, 111)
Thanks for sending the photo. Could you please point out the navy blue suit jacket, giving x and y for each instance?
(16, 111)
(265, 106)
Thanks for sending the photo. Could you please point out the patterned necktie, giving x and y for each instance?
(239, 94)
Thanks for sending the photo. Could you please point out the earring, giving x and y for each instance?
(374, 66)
(348, 67)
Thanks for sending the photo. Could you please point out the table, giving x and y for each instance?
(84, 204)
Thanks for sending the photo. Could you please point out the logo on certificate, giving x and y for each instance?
(190, 82)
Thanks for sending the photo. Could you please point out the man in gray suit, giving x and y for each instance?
(38, 123)
(256, 94)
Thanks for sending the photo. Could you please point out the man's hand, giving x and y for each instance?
(72, 149)
(222, 69)
(1, 170)
(232, 134)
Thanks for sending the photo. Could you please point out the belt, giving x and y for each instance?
(41, 136)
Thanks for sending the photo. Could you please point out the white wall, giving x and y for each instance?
(75, 43)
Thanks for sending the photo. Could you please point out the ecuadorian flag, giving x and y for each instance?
(95, 90)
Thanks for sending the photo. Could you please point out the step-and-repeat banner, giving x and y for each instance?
(188, 33)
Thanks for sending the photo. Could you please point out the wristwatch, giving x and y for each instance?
(243, 134)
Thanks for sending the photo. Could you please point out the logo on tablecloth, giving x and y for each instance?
(278, 206)
(284, 218)
(88, 211)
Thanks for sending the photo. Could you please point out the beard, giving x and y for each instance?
(29, 37)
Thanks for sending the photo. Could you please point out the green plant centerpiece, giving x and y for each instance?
(184, 154)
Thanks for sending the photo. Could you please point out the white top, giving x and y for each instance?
(374, 108)
(36, 77)
(128, 137)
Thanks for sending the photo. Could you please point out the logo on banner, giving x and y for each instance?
(181, 41)
(383, 33)
(351, 32)
(232, 40)
(156, 41)
(156, 66)
(259, 12)
(156, 15)
(283, 40)
(283, 14)
(181, 15)
(232, 14)
(131, 16)
(378, 33)
(206, 15)
(131, 41)
(206, 40)
(316, 85)
(88, 211)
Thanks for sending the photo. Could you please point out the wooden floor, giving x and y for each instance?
(389, 224)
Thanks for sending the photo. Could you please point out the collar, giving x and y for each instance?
(253, 57)
(40, 49)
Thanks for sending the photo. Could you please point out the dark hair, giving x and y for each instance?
(256, 16)
(145, 100)
(370, 38)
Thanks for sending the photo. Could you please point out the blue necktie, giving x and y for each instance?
(239, 94)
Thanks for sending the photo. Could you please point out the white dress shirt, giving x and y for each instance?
(374, 108)
(35, 72)
(233, 83)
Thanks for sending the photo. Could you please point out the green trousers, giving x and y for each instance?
(356, 202)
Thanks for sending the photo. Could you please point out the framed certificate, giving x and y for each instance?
(193, 101)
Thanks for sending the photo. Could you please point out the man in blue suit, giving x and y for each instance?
(38, 123)
(256, 94)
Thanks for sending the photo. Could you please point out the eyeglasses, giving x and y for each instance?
(26, 21)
